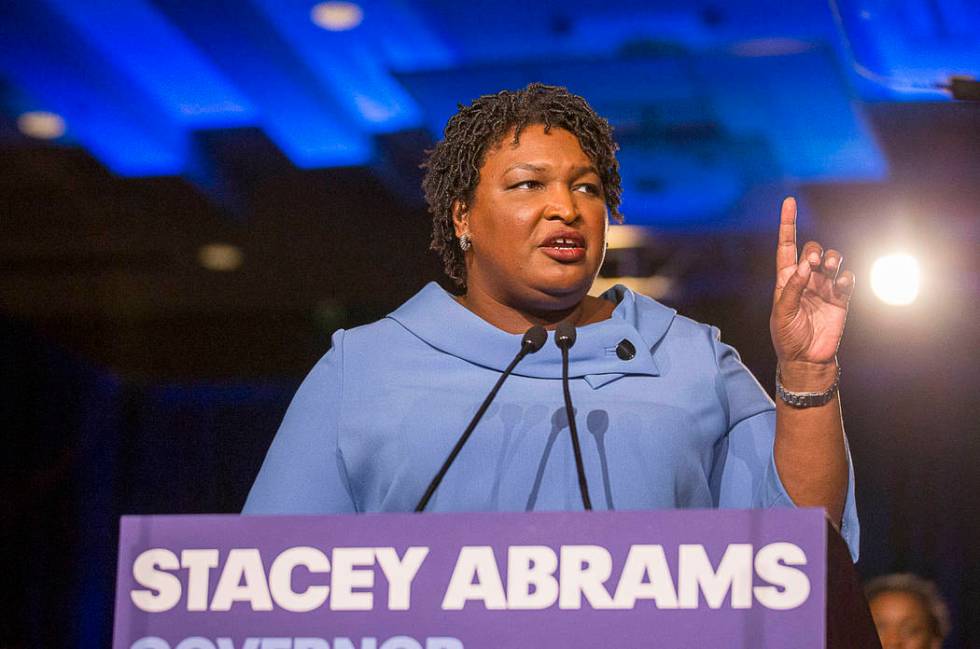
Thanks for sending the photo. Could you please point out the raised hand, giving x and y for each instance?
(809, 305)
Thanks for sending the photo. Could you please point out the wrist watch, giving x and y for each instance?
(807, 399)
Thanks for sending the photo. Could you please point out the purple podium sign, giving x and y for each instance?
(667, 579)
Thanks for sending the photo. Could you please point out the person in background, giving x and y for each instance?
(908, 611)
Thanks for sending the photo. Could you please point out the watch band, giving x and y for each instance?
(807, 399)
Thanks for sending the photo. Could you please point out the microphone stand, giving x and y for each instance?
(533, 340)
(565, 338)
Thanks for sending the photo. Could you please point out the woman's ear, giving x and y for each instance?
(460, 218)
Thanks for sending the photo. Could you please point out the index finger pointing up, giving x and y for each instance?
(786, 250)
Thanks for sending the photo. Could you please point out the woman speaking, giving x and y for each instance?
(521, 190)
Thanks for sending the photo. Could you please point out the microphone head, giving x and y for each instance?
(534, 339)
(565, 334)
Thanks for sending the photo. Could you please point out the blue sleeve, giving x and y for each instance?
(744, 474)
(304, 471)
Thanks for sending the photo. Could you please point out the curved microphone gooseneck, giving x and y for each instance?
(533, 340)
(565, 338)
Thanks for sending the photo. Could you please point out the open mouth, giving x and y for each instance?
(564, 242)
(566, 247)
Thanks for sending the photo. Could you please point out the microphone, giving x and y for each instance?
(565, 338)
(533, 340)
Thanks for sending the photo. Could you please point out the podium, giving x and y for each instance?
(740, 579)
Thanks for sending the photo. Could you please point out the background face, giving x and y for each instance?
(902, 622)
(142, 371)
(528, 194)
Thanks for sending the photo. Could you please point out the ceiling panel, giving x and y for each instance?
(713, 102)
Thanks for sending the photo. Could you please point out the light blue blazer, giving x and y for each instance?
(681, 424)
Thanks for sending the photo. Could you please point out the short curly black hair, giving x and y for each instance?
(452, 169)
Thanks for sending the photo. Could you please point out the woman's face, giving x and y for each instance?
(537, 222)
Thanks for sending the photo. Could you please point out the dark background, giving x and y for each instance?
(135, 381)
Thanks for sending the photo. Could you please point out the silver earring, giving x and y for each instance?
(465, 243)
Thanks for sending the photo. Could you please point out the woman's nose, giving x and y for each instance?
(561, 205)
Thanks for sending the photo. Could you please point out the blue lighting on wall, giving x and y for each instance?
(160, 60)
(116, 119)
(710, 100)
(697, 130)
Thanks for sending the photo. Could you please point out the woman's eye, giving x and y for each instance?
(526, 184)
(588, 188)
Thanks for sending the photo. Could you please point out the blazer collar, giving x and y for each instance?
(435, 317)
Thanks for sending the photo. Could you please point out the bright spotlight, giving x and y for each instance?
(895, 279)
(220, 257)
(336, 16)
(41, 124)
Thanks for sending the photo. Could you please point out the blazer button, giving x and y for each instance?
(625, 350)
